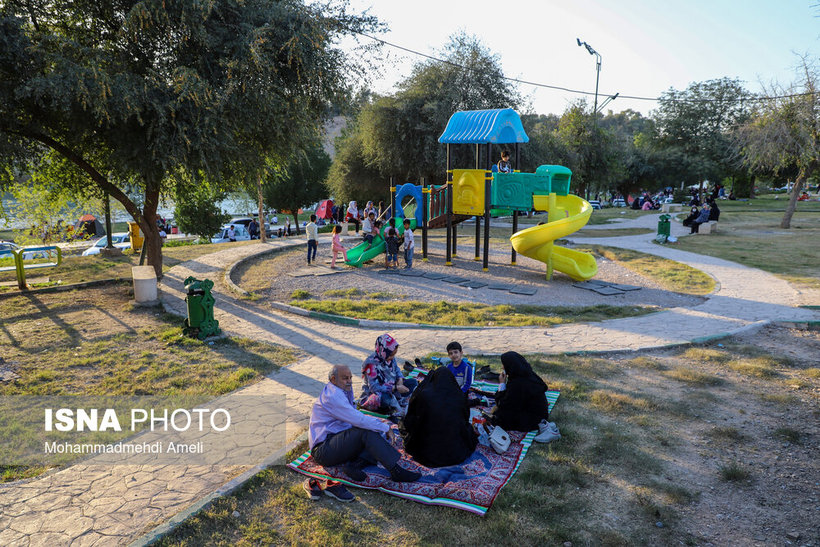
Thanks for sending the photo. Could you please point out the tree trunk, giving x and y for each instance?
(263, 234)
(804, 175)
(296, 221)
(148, 222)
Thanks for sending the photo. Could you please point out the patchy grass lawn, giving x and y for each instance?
(646, 458)
(79, 269)
(754, 238)
(94, 342)
(671, 275)
(384, 307)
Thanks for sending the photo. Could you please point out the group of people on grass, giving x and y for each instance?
(433, 414)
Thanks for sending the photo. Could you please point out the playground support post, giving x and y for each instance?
(448, 261)
(392, 198)
(514, 230)
(487, 193)
(425, 191)
(477, 238)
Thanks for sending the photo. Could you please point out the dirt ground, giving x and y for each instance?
(769, 427)
(271, 276)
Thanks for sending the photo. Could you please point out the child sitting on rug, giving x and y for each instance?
(461, 368)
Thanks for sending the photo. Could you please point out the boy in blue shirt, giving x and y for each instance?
(461, 368)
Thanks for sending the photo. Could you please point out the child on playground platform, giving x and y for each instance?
(409, 244)
(504, 165)
(369, 229)
(336, 246)
(461, 368)
(391, 258)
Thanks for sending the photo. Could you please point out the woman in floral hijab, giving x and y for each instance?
(384, 387)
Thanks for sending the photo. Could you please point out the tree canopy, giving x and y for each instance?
(397, 135)
(134, 92)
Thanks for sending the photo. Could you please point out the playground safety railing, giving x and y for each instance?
(33, 253)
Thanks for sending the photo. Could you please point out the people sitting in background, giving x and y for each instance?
(353, 215)
(385, 388)
(437, 430)
(693, 214)
(714, 210)
(702, 217)
(647, 205)
(339, 434)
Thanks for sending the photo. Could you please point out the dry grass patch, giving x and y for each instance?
(759, 367)
(707, 355)
(619, 403)
(693, 377)
(646, 362)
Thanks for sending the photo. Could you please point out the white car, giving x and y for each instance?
(595, 204)
(241, 234)
(619, 202)
(121, 240)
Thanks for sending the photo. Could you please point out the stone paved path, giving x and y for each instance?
(111, 505)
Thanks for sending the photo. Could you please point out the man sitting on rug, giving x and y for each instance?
(341, 435)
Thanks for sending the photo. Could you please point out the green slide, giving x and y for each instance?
(358, 256)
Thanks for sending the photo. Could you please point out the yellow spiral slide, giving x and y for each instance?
(567, 214)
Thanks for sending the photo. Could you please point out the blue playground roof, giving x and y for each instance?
(500, 126)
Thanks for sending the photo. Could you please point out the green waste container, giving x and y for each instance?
(200, 321)
(664, 225)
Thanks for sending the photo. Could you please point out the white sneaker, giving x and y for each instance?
(548, 435)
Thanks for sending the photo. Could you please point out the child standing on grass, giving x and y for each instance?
(409, 244)
(336, 246)
(313, 237)
(392, 244)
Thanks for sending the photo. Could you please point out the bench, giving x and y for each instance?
(708, 227)
(671, 207)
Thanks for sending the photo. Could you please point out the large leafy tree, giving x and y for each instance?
(131, 92)
(698, 123)
(784, 133)
(300, 183)
(398, 135)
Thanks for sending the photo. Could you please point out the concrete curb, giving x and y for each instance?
(277, 458)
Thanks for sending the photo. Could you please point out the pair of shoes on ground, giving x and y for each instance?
(409, 367)
(335, 490)
(547, 432)
(484, 373)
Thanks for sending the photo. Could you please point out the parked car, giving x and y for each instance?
(245, 221)
(240, 231)
(120, 240)
(595, 203)
(619, 202)
(6, 247)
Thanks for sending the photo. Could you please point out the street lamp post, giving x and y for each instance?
(597, 75)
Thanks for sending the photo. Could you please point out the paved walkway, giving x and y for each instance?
(110, 505)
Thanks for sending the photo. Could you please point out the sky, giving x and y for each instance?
(647, 46)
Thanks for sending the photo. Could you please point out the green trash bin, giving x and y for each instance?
(664, 226)
(200, 321)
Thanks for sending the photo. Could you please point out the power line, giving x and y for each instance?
(754, 98)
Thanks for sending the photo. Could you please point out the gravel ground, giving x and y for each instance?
(270, 275)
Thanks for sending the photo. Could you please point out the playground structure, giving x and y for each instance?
(478, 193)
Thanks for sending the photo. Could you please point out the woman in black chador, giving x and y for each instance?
(437, 426)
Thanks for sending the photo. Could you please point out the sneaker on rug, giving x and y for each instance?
(547, 435)
(311, 486)
(338, 491)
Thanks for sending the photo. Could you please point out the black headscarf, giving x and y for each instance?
(523, 404)
(437, 425)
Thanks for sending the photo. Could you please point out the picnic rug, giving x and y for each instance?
(471, 486)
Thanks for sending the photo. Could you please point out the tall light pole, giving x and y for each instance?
(597, 75)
